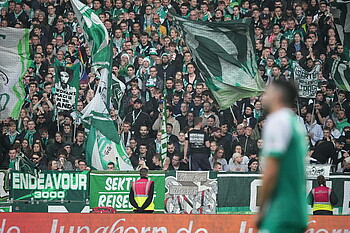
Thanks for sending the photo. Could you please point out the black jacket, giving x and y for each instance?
(324, 150)
(183, 167)
(23, 18)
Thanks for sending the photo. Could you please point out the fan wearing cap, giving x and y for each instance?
(144, 68)
(153, 55)
(265, 24)
(341, 153)
(137, 117)
(166, 69)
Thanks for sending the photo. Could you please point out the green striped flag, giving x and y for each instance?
(14, 61)
(95, 33)
(164, 140)
(103, 144)
(225, 55)
(340, 73)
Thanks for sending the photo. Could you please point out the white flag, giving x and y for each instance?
(14, 57)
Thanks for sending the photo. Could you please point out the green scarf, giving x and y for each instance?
(30, 136)
(12, 164)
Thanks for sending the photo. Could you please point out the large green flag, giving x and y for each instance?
(95, 33)
(67, 85)
(340, 73)
(103, 144)
(14, 61)
(224, 53)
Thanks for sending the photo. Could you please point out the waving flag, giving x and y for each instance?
(103, 144)
(224, 53)
(340, 72)
(95, 33)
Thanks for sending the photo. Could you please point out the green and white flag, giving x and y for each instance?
(103, 144)
(224, 53)
(340, 73)
(95, 33)
(14, 61)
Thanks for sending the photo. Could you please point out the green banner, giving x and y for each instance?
(112, 189)
(50, 186)
(190, 192)
(238, 193)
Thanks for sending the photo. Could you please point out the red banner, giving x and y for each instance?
(150, 223)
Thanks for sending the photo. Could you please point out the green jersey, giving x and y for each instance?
(284, 139)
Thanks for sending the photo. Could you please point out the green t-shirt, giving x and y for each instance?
(284, 139)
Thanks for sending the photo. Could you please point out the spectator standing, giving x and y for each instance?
(322, 198)
(196, 147)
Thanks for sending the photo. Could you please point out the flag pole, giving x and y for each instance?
(298, 106)
(313, 110)
(75, 130)
(58, 122)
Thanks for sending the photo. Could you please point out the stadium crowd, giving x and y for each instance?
(150, 55)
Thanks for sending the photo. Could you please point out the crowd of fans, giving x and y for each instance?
(150, 56)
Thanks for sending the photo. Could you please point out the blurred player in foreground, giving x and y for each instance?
(283, 194)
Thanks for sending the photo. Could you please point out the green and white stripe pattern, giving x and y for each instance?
(164, 140)
(341, 74)
(14, 53)
(224, 53)
(103, 144)
(95, 33)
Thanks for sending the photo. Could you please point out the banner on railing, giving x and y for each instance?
(190, 192)
(238, 193)
(112, 189)
(315, 170)
(50, 191)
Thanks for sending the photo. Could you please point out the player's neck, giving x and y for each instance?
(277, 106)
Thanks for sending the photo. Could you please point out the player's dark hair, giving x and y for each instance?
(289, 90)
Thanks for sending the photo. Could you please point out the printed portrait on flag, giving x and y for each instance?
(65, 94)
